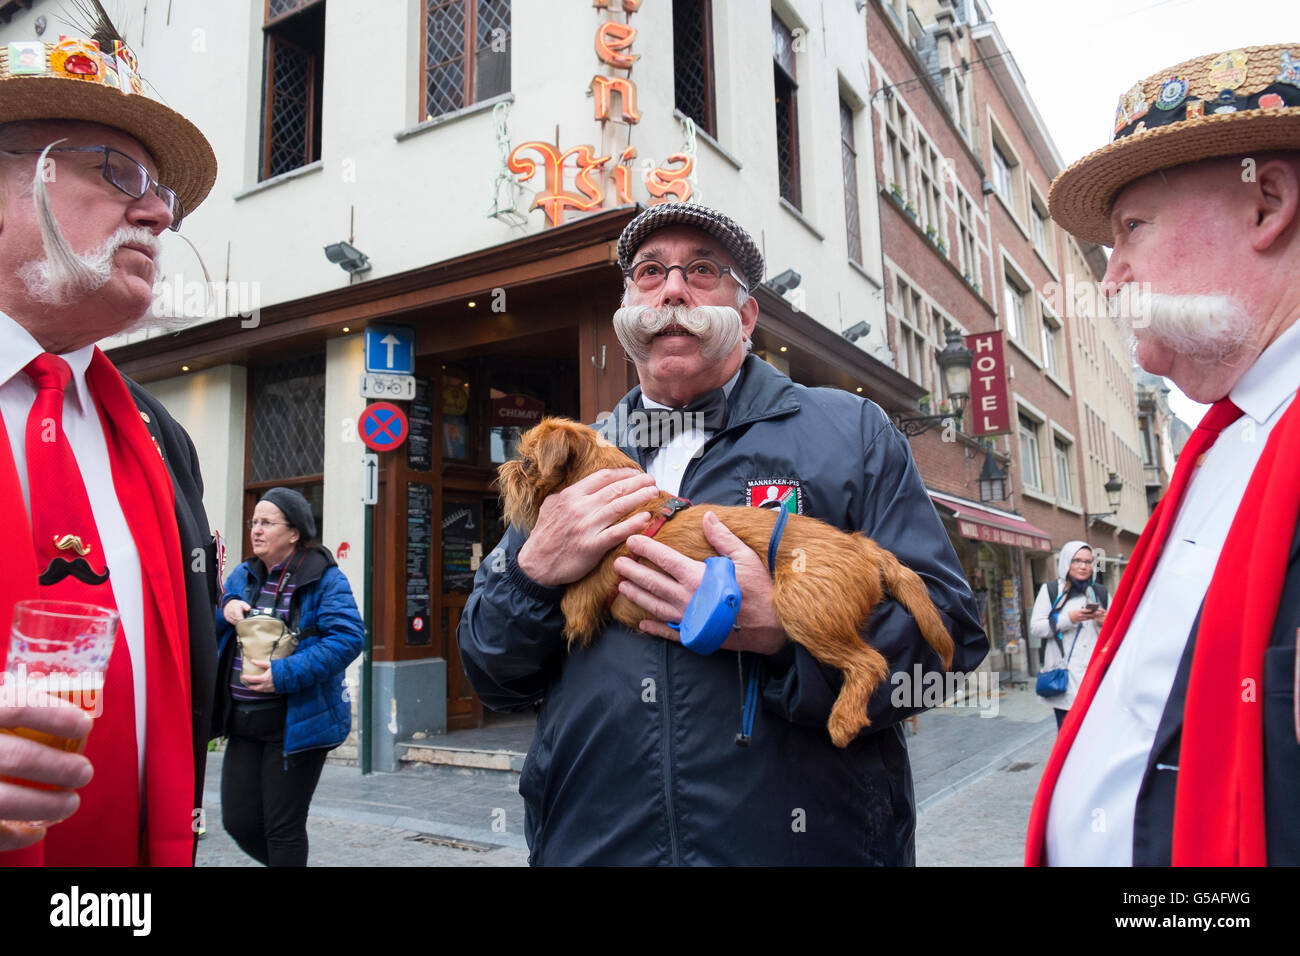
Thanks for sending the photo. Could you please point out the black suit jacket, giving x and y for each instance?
(201, 573)
(1153, 820)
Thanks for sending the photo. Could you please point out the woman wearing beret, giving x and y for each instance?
(281, 723)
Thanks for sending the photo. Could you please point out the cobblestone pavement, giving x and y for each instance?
(974, 779)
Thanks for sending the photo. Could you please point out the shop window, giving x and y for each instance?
(455, 417)
(849, 156)
(787, 117)
(693, 62)
(466, 53)
(287, 430)
(293, 76)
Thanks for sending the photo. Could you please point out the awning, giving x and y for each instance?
(982, 523)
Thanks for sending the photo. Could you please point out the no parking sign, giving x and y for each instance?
(382, 426)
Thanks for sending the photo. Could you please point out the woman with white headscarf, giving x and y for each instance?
(1068, 614)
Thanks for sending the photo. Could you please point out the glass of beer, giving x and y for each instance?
(60, 649)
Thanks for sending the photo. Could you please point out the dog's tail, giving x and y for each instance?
(909, 590)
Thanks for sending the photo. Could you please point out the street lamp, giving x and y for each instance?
(955, 362)
(1114, 488)
(993, 481)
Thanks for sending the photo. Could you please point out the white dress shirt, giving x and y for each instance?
(1090, 821)
(667, 464)
(85, 434)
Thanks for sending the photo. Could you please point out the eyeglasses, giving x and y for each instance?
(700, 274)
(127, 175)
(1086, 562)
(256, 523)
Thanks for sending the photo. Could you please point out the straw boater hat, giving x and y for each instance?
(739, 244)
(97, 81)
(1222, 104)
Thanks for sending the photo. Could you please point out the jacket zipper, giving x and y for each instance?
(665, 749)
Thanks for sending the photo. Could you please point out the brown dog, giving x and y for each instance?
(826, 585)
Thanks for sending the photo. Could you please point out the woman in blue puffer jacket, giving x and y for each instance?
(281, 723)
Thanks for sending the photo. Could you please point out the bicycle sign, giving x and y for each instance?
(394, 388)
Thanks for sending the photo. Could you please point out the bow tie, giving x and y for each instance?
(660, 425)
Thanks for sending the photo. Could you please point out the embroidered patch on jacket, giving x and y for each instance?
(784, 493)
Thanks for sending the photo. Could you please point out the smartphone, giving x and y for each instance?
(1091, 608)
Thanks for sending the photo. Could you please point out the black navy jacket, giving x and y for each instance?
(634, 760)
(1153, 817)
(198, 553)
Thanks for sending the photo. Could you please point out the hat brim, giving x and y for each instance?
(186, 162)
(1081, 198)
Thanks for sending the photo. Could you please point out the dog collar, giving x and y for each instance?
(665, 512)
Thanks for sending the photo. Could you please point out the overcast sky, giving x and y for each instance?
(1078, 58)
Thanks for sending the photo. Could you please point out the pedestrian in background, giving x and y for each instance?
(282, 723)
(1068, 614)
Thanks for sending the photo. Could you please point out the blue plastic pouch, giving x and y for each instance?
(712, 612)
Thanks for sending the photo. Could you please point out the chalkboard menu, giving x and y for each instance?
(419, 524)
(462, 536)
(419, 443)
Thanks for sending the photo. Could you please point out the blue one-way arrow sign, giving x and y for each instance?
(391, 349)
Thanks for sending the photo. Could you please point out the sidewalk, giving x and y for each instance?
(974, 779)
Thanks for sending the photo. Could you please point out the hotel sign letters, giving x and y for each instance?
(990, 409)
(613, 48)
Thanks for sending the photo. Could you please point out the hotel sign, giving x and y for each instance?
(989, 405)
(669, 181)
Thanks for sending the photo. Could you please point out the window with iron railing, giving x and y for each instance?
(293, 77)
(466, 53)
(849, 158)
(787, 115)
(693, 63)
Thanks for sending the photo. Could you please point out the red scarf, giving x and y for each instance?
(1219, 800)
(145, 491)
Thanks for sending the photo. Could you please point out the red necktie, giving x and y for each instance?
(1124, 605)
(105, 830)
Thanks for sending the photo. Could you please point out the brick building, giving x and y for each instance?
(964, 162)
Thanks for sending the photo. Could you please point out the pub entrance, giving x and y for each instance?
(482, 404)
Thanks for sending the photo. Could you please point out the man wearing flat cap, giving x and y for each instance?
(1183, 744)
(100, 492)
(645, 752)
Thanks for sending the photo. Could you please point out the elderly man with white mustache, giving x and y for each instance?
(100, 492)
(647, 753)
(1183, 744)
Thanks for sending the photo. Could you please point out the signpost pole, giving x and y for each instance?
(365, 704)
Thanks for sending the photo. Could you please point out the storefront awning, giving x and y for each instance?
(982, 523)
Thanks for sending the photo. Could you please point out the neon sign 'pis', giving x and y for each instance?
(613, 47)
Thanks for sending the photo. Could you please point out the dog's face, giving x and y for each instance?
(553, 454)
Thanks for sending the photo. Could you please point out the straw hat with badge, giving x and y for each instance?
(1232, 103)
(95, 79)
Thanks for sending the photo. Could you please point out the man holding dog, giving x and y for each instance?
(92, 171)
(1183, 745)
(638, 756)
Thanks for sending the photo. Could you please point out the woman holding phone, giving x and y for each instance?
(1068, 614)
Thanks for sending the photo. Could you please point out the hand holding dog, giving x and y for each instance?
(667, 595)
(575, 526)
